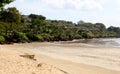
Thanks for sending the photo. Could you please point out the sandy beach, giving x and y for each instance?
(57, 58)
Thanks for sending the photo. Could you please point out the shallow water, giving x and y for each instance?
(106, 42)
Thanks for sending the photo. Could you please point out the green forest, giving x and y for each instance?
(15, 27)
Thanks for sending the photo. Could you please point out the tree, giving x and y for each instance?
(38, 26)
(81, 22)
(3, 3)
(100, 26)
(37, 23)
(34, 16)
(3, 28)
(12, 17)
(85, 33)
(115, 30)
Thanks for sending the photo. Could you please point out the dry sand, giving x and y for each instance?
(12, 63)
(54, 59)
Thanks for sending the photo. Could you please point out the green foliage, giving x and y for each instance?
(10, 15)
(45, 35)
(5, 28)
(100, 26)
(77, 36)
(4, 2)
(114, 30)
(36, 28)
(19, 36)
(85, 34)
(34, 16)
(2, 39)
(35, 37)
(39, 37)
(11, 20)
(37, 24)
(70, 33)
(94, 30)
(31, 36)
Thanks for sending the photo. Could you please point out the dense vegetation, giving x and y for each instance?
(15, 27)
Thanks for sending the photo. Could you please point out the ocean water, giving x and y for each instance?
(105, 42)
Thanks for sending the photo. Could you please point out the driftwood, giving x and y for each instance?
(32, 57)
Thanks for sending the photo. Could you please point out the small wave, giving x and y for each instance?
(106, 42)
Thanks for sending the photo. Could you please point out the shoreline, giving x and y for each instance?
(100, 42)
(62, 64)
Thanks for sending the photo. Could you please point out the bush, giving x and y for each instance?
(34, 37)
(39, 37)
(8, 37)
(2, 39)
(19, 36)
(77, 36)
(30, 36)
(46, 36)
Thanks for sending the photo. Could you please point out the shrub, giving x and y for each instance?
(8, 37)
(39, 37)
(46, 36)
(30, 36)
(2, 39)
(19, 36)
(77, 36)
(34, 37)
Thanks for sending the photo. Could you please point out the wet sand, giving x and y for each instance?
(71, 58)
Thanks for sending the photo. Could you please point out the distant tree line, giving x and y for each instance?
(15, 27)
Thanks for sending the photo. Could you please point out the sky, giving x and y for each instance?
(95, 11)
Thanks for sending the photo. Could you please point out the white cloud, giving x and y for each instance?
(54, 3)
(91, 4)
(118, 4)
(73, 9)
(118, 1)
(73, 4)
(21, 0)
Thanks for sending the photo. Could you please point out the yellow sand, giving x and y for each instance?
(12, 63)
